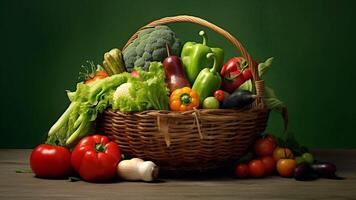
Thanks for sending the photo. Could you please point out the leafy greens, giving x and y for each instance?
(149, 91)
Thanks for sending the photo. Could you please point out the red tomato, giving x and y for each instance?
(219, 95)
(256, 168)
(269, 164)
(95, 158)
(49, 161)
(264, 147)
(241, 170)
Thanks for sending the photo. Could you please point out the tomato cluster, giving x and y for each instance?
(269, 159)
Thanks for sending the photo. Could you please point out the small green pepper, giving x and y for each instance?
(208, 80)
(194, 57)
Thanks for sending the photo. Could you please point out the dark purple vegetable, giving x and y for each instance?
(325, 170)
(304, 172)
(175, 76)
(239, 99)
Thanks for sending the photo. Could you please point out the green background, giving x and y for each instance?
(43, 44)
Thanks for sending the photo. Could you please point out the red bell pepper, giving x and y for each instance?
(95, 158)
(234, 73)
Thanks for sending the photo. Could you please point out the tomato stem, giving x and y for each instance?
(285, 153)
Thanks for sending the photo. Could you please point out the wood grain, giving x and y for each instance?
(26, 186)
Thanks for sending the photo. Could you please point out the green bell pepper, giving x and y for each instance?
(208, 80)
(194, 57)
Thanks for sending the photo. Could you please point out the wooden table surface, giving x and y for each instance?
(26, 186)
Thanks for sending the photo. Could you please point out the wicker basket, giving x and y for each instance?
(192, 140)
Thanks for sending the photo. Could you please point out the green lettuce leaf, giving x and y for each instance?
(86, 102)
(147, 92)
(272, 100)
(262, 70)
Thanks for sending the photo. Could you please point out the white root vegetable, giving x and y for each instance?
(136, 169)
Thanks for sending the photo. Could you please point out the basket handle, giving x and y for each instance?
(259, 84)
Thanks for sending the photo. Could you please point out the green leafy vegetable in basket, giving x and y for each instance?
(147, 91)
(86, 102)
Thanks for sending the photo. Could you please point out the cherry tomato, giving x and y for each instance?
(279, 153)
(242, 170)
(256, 168)
(285, 167)
(269, 164)
(219, 95)
(264, 147)
(49, 161)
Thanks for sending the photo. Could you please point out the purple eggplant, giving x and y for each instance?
(239, 99)
(304, 172)
(325, 170)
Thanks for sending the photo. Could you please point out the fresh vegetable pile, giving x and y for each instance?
(159, 80)
(283, 157)
(155, 72)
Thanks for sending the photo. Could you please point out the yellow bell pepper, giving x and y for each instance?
(183, 99)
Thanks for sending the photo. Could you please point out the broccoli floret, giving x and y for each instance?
(150, 45)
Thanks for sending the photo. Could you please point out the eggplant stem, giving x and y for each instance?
(167, 49)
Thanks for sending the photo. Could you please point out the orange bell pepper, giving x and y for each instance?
(183, 99)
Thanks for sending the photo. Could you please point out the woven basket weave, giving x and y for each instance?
(192, 140)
